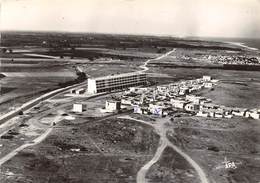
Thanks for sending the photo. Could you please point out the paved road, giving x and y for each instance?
(6, 124)
(33, 102)
(161, 130)
(48, 131)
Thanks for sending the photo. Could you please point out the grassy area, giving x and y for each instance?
(110, 150)
(235, 93)
(208, 145)
(172, 168)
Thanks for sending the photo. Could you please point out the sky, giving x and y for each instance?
(180, 18)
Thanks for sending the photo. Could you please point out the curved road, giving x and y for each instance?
(164, 142)
(143, 171)
(144, 66)
(28, 144)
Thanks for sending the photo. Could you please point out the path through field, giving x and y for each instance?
(144, 66)
(161, 130)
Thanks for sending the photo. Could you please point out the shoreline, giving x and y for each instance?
(242, 45)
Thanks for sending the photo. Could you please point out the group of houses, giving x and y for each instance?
(167, 99)
(231, 59)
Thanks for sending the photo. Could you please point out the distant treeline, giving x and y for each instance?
(92, 54)
(111, 41)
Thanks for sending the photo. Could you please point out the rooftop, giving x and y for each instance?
(119, 75)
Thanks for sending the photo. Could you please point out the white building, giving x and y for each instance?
(126, 101)
(202, 114)
(208, 85)
(191, 107)
(194, 99)
(116, 82)
(157, 110)
(79, 107)
(183, 90)
(138, 109)
(177, 103)
(253, 114)
(239, 112)
(206, 78)
(113, 106)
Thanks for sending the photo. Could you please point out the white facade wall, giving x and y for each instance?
(206, 78)
(92, 86)
(208, 85)
(178, 103)
(78, 107)
(115, 82)
(112, 106)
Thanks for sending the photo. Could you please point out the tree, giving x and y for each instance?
(4, 50)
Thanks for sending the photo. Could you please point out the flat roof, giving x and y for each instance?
(118, 75)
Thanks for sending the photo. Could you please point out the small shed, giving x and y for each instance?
(79, 107)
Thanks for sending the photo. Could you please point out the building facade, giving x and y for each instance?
(79, 107)
(116, 82)
(113, 106)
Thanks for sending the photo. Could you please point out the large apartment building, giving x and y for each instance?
(116, 82)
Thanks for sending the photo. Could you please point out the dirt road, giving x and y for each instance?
(32, 143)
(144, 66)
(161, 130)
(143, 171)
(35, 120)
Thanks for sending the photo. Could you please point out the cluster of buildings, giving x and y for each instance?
(160, 100)
(167, 99)
(225, 59)
(219, 111)
(117, 82)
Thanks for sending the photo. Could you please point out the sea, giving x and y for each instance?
(250, 42)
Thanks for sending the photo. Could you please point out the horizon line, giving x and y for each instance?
(126, 34)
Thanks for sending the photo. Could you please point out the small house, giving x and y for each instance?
(178, 103)
(183, 90)
(138, 109)
(191, 107)
(253, 114)
(208, 85)
(239, 112)
(79, 107)
(202, 114)
(206, 78)
(112, 106)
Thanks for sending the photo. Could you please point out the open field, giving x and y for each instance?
(209, 145)
(29, 80)
(172, 168)
(236, 93)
